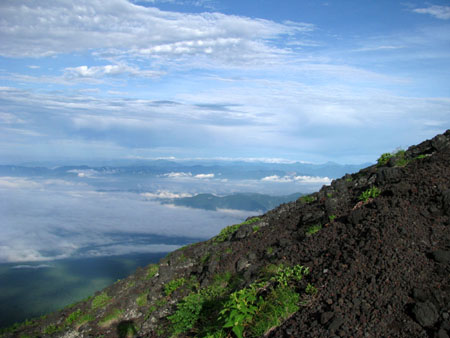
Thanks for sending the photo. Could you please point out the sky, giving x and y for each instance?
(298, 80)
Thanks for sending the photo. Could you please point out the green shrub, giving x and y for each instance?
(421, 157)
(332, 217)
(173, 285)
(384, 159)
(307, 199)
(369, 193)
(152, 271)
(187, 314)
(288, 274)
(51, 329)
(85, 319)
(239, 310)
(141, 300)
(277, 307)
(100, 301)
(73, 317)
(311, 290)
(313, 229)
(231, 229)
(116, 313)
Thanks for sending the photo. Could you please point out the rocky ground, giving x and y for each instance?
(379, 265)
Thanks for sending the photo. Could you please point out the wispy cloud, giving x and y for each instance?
(439, 12)
(119, 28)
(108, 70)
(300, 179)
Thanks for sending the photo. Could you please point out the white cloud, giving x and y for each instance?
(108, 70)
(312, 179)
(8, 118)
(276, 178)
(32, 267)
(299, 179)
(17, 183)
(119, 28)
(203, 176)
(164, 194)
(440, 12)
(178, 175)
(88, 173)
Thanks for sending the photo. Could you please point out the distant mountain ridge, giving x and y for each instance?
(225, 170)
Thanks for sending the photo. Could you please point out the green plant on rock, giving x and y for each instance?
(239, 310)
(311, 290)
(307, 199)
(280, 303)
(112, 316)
(187, 314)
(74, 317)
(288, 274)
(370, 193)
(231, 229)
(400, 158)
(51, 329)
(332, 217)
(384, 159)
(173, 285)
(141, 300)
(313, 229)
(100, 301)
(152, 271)
(420, 157)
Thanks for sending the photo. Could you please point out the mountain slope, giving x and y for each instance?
(376, 245)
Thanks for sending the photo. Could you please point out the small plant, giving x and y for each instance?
(400, 158)
(384, 159)
(173, 285)
(152, 271)
(231, 229)
(311, 290)
(421, 157)
(100, 301)
(256, 228)
(332, 217)
(307, 199)
(73, 317)
(51, 329)
(205, 258)
(239, 310)
(269, 250)
(280, 303)
(288, 274)
(369, 193)
(85, 319)
(329, 195)
(228, 251)
(187, 314)
(349, 179)
(141, 300)
(313, 229)
(111, 317)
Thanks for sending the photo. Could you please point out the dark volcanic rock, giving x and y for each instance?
(426, 313)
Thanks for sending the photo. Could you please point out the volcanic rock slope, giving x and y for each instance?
(376, 244)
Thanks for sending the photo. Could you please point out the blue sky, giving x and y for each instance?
(290, 80)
